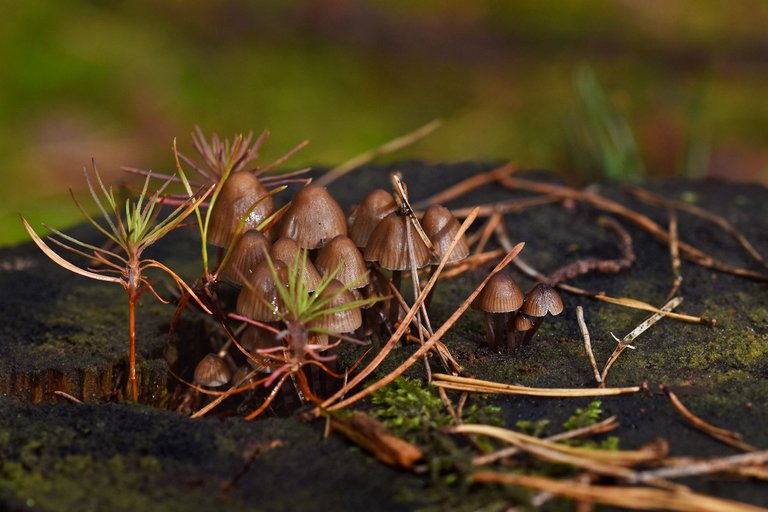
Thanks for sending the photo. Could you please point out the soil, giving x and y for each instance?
(59, 331)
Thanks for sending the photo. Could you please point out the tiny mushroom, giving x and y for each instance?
(390, 245)
(212, 371)
(239, 193)
(342, 256)
(540, 300)
(289, 252)
(313, 218)
(500, 297)
(248, 252)
(259, 298)
(366, 216)
(346, 318)
(441, 226)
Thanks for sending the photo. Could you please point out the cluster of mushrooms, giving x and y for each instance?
(348, 254)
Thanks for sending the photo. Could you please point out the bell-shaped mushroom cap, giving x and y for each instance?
(523, 322)
(366, 216)
(255, 338)
(542, 299)
(389, 244)
(289, 252)
(259, 298)
(243, 377)
(342, 253)
(500, 295)
(212, 371)
(248, 252)
(238, 194)
(441, 226)
(344, 320)
(313, 218)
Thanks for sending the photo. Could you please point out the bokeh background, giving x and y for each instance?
(593, 89)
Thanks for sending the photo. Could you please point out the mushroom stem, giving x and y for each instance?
(490, 332)
(529, 335)
(394, 307)
(513, 336)
(499, 329)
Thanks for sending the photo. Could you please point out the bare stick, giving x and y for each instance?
(723, 435)
(487, 231)
(511, 206)
(637, 331)
(389, 147)
(587, 343)
(64, 394)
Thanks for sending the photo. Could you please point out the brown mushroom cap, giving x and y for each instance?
(313, 218)
(441, 226)
(523, 322)
(237, 196)
(342, 253)
(259, 298)
(346, 320)
(366, 216)
(289, 252)
(542, 299)
(501, 294)
(389, 244)
(248, 252)
(212, 371)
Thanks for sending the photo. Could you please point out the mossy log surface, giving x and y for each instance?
(59, 331)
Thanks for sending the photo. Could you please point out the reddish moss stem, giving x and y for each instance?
(132, 296)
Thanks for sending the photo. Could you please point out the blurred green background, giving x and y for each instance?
(593, 89)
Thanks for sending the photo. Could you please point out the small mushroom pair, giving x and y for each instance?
(508, 314)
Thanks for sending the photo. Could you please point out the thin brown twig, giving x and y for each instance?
(674, 254)
(467, 185)
(656, 200)
(487, 232)
(64, 394)
(510, 206)
(587, 342)
(642, 221)
(728, 437)
(585, 265)
(637, 331)
(637, 498)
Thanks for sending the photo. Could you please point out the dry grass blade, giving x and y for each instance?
(397, 335)
(651, 198)
(637, 331)
(372, 435)
(723, 435)
(443, 328)
(704, 467)
(606, 425)
(620, 458)
(642, 221)
(467, 185)
(644, 306)
(587, 343)
(483, 386)
(674, 254)
(471, 263)
(636, 498)
(368, 156)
